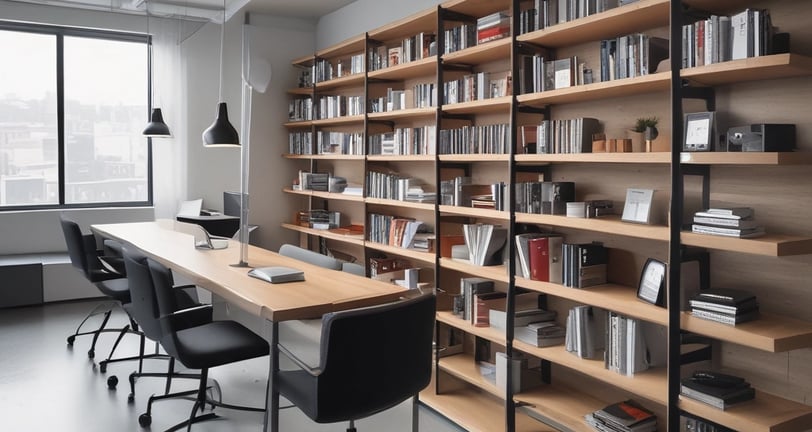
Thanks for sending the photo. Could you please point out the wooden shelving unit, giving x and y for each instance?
(465, 397)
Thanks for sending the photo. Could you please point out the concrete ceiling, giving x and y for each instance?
(207, 10)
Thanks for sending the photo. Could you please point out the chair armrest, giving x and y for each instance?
(188, 318)
(301, 364)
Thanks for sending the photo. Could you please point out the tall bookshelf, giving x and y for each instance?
(770, 182)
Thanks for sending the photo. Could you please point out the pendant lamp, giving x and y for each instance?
(221, 133)
(156, 128)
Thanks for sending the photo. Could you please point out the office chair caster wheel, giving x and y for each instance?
(130, 398)
(91, 353)
(145, 420)
(71, 338)
(112, 382)
(103, 367)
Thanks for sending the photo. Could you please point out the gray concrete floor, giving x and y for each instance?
(45, 385)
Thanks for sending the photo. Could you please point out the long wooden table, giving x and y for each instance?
(322, 290)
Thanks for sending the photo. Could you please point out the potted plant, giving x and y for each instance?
(644, 131)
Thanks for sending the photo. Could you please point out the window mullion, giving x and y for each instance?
(60, 112)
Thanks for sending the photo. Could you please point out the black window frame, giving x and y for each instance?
(60, 32)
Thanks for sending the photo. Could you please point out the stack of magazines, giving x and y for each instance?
(717, 389)
(729, 222)
(627, 416)
(727, 306)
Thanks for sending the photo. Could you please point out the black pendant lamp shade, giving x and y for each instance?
(221, 132)
(156, 128)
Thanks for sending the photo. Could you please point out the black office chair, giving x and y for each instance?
(107, 273)
(144, 310)
(201, 347)
(371, 359)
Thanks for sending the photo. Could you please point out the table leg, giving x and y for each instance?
(271, 421)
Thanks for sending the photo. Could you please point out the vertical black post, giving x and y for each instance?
(676, 219)
(60, 115)
(438, 119)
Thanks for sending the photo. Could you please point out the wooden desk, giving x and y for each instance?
(322, 290)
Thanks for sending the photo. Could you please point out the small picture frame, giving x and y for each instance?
(637, 207)
(699, 131)
(652, 283)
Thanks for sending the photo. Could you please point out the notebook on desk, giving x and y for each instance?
(203, 240)
(277, 274)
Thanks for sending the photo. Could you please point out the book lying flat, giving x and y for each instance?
(277, 274)
(728, 232)
(725, 296)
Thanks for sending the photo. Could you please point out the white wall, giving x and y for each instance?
(364, 15)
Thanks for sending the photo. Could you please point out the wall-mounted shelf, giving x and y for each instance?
(408, 253)
(561, 406)
(338, 121)
(607, 224)
(324, 156)
(656, 82)
(747, 158)
(478, 54)
(750, 69)
(346, 238)
(497, 273)
(402, 204)
(474, 212)
(404, 71)
(401, 158)
(489, 333)
(766, 413)
(768, 244)
(772, 333)
(474, 157)
(660, 158)
(490, 105)
(464, 367)
(404, 114)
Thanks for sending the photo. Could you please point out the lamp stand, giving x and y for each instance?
(247, 92)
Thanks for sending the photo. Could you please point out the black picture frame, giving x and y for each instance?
(651, 288)
(700, 131)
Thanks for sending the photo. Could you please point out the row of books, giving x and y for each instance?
(404, 141)
(716, 39)
(485, 139)
(396, 187)
(485, 243)
(631, 56)
(478, 86)
(545, 13)
(459, 38)
(539, 73)
(626, 416)
(729, 222)
(560, 136)
(717, 389)
(583, 264)
(323, 69)
(725, 305)
(544, 197)
(327, 142)
(425, 95)
(626, 350)
(393, 100)
(585, 334)
(314, 181)
(339, 106)
(460, 192)
(417, 47)
(394, 230)
(300, 109)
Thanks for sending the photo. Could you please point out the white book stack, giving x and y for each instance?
(729, 222)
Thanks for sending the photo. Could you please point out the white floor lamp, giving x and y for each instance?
(256, 75)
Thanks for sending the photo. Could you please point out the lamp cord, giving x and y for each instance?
(222, 43)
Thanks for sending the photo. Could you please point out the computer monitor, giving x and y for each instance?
(231, 204)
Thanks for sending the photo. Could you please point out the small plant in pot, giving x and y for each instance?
(648, 127)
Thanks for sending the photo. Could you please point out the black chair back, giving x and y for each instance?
(143, 304)
(374, 358)
(76, 245)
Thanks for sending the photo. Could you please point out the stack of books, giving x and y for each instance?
(485, 243)
(492, 27)
(730, 222)
(717, 389)
(541, 334)
(626, 416)
(727, 306)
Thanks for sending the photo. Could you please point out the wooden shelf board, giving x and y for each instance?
(750, 69)
(475, 411)
(353, 45)
(424, 67)
(404, 114)
(768, 244)
(408, 253)
(650, 384)
(480, 106)
(398, 203)
(608, 224)
(356, 79)
(324, 156)
(773, 333)
(303, 60)
(747, 158)
(617, 88)
(766, 413)
(423, 21)
(636, 158)
(561, 406)
(401, 158)
(489, 333)
(497, 273)
(490, 51)
(618, 298)
(297, 192)
(474, 157)
(475, 212)
(301, 91)
(476, 8)
(334, 121)
(464, 367)
(338, 196)
(298, 124)
(632, 18)
(351, 239)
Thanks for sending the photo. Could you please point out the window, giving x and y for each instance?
(73, 104)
